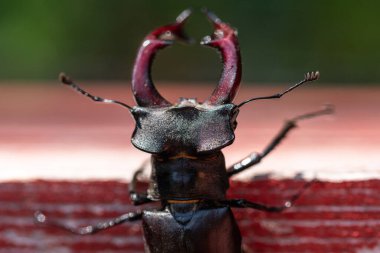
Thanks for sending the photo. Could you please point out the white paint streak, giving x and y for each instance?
(89, 162)
(83, 163)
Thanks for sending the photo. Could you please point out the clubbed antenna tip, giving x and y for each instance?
(64, 79)
(312, 76)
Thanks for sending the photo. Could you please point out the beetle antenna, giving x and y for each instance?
(40, 218)
(67, 81)
(309, 77)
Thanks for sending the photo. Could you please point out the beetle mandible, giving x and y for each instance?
(189, 177)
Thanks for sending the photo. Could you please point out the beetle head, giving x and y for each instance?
(186, 127)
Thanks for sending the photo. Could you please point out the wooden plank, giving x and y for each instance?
(317, 222)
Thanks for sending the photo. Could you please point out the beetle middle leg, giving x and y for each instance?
(136, 198)
(256, 158)
(243, 203)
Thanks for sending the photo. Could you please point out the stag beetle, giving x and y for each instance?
(189, 177)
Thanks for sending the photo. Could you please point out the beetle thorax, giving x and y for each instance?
(185, 177)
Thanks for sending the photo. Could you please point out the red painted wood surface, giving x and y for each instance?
(329, 217)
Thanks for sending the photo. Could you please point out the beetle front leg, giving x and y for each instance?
(256, 158)
(40, 218)
(243, 203)
(138, 198)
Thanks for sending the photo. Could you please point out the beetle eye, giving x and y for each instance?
(168, 35)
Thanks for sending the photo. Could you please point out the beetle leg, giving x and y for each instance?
(243, 203)
(136, 197)
(66, 80)
(256, 158)
(40, 218)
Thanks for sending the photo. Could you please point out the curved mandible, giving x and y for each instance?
(144, 91)
(225, 40)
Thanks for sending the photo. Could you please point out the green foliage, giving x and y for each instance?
(280, 40)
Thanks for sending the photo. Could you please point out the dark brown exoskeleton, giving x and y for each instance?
(189, 177)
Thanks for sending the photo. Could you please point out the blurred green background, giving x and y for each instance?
(280, 40)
